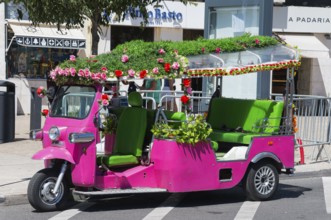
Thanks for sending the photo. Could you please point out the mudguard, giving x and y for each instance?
(53, 153)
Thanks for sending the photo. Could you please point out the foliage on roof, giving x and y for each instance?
(139, 59)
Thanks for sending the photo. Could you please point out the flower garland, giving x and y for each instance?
(164, 60)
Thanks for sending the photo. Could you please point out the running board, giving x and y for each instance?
(119, 191)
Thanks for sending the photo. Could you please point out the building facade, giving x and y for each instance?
(305, 26)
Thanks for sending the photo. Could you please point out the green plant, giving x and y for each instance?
(194, 130)
(109, 125)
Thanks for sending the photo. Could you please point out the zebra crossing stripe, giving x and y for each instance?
(247, 210)
(161, 211)
(327, 193)
(65, 215)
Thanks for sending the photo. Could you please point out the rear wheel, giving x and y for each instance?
(40, 194)
(261, 182)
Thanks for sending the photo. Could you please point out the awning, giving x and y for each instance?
(309, 45)
(46, 36)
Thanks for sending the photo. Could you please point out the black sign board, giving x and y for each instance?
(48, 42)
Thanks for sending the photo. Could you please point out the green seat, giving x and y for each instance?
(175, 118)
(239, 120)
(130, 133)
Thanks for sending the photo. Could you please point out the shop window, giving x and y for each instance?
(121, 34)
(279, 81)
(189, 34)
(34, 62)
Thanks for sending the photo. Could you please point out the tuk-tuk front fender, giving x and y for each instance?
(53, 153)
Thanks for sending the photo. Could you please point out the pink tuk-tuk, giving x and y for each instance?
(236, 142)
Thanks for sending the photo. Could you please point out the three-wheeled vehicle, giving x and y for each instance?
(238, 141)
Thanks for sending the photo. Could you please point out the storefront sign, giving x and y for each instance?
(172, 14)
(50, 42)
(302, 19)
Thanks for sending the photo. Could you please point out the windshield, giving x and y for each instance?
(73, 102)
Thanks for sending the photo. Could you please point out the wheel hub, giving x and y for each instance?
(264, 180)
(46, 192)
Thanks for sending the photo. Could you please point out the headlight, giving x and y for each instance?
(54, 133)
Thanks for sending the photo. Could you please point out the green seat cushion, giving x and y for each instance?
(247, 114)
(234, 137)
(175, 118)
(120, 160)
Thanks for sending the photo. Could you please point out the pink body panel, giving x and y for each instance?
(182, 167)
(83, 155)
(53, 153)
(140, 176)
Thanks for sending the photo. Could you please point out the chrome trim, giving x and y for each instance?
(81, 137)
(33, 133)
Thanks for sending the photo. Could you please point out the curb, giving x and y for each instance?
(10, 200)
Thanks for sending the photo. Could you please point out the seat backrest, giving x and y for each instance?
(131, 128)
(245, 113)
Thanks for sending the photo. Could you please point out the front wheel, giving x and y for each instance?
(40, 194)
(261, 182)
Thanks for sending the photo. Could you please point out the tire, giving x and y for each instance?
(261, 182)
(39, 191)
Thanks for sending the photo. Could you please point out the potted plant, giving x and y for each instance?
(193, 131)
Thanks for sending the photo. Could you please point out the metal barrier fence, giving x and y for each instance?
(313, 119)
(313, 113)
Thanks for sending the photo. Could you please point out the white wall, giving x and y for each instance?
(172, 34)
(243, 86)
(2, 42)
(105, 40)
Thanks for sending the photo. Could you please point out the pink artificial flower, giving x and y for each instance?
(81, 72)
(257, 41)
(66, 72)
(52, 74)
(103, 76)
(96, 76)
(72, 71)
(155, 70)
(218, 50)
(61, 72)
(87, 73)
(189, 90)
(104, 69)
(131, 72)
(160, 60)
(125, 58)
(175, 66)
(72, 58)
(105, 102)
(161, 51)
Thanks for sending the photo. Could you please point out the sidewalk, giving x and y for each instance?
(17, 167)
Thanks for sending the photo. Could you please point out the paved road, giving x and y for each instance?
(300, 197)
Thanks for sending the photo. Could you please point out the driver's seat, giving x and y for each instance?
(130, 133)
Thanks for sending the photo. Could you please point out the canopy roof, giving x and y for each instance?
(138, 60)
(272, 54)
